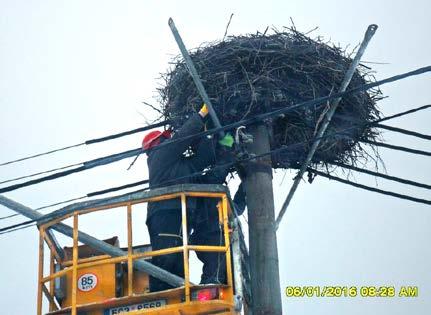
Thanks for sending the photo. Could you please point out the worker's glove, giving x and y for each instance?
(203, 111)
(227, 140)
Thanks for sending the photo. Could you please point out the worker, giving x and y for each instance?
(208, 231)
(169, 165)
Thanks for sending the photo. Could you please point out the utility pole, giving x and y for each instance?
(264, 271)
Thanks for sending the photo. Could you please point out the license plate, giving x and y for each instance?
(134, 307)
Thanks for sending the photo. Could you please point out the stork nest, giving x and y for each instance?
(253, 74)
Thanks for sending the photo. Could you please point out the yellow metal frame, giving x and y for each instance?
(188, 305)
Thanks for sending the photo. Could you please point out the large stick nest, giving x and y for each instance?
(254, 74)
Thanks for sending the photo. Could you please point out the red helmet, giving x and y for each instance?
(152, 138)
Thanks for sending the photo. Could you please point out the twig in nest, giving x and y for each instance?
(153, 108)
(227, 27)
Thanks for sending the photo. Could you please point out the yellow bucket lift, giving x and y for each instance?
(85, 281)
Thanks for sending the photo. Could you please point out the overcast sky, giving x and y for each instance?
(75, 70)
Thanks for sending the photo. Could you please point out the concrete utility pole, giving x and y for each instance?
(265, 279)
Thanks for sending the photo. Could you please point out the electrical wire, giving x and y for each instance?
(17, 229)
(91, 141)
(122, 155)
(407, 112)
(45, 207)
(380, 191)
(40, 173)
(385, 176)
(16, 225)
(404, 131)
(41, 154)
(397, 147)
(92, 194)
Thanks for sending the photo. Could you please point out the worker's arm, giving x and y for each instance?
(215, 176)
(192, 126)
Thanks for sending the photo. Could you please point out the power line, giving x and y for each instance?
(84, 166)
(129, 132)
(385, 176)
(396, 147)
(45, 207)
(92, 194)
(9, 216)
(39, 173)
(400, 114)
(41, 154)
(380, 191)
(410, 111)
(404, 131)
(17, 229)
(16, 225)
(105, 191)
(91, 141)
(42, 179)
(122, 155)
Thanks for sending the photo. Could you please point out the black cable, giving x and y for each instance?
(16, 225)
(92, 194)
(404, 131)
(45, 207)
(257, 118)
(60, 203)
(9, 216)
(380, 191)
(19, 228)
(91, 141)
(410, 111)
(129, 132)
(43, 153)
(39, 173)
(105, 191)
(42, 179)
(373, 123)
(396, 147)
(84, 166)
(385, 176)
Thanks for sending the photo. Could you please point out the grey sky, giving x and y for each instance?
(74, 70)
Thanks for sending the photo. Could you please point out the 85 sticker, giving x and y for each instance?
(87, 282)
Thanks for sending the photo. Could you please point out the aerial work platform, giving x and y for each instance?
(83, 280)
